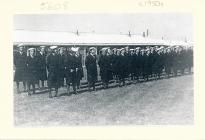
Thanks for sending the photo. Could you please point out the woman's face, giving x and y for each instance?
(148, 52)
(21, 48)
(56, 50)
(43, 50)
(109, 52)
(132, 52)
(114, 51)
(92, 51)
(118, 52)
(61, 51)
(123, 52)
(31, 52)
(127, 49)
(103, 52)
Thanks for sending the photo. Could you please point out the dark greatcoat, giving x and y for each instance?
(154, 62)
(122, 63)
(91, 66)
(79, 66)
(41, 67)
(147, 65)
(114, 66)
(176, 63)
(32, 70)
(61, 74)
(140, 64)
(144, 60)
(189, 58)
(20, 66)
(70, 66)
(168, 62)
(160, 62)
(183, 59)
(53, 70)
(132, 66)
(105, 68)
(128, 65)
(137, 65)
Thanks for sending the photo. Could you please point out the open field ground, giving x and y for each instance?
(165, 101)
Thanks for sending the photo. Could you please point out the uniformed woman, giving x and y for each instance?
(61, 73)
(20, 67)
(91, 66)
(122, 63)
(105, 67)
(70, 71)
(79, 66)
(42, 73)
(31, 70)
(53, 70)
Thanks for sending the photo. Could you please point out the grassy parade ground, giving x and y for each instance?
(157, 102)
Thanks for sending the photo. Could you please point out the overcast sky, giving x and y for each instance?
(173, 26)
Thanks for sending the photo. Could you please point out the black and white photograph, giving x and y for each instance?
(103, 69)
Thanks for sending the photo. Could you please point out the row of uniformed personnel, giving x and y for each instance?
(115, 64)
(32, 67)
(147, 63)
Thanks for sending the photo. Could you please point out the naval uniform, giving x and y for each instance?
(53, 70)
(20, 66)
(91, 66)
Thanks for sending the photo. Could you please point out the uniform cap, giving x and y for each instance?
(75, 49)
(160, 48)
(92, 48)
(148, 49)
(168, 48)
(20, 45)
(42, 46)
(31, 49)
(103, 49)
(177, 46)
(53, 47)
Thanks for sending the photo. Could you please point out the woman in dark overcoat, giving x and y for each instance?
(105, 67)
(61, 74)
(31, 70)
(42, 73)
(122, 65)
(91, 66)
(20, 67)
(79, 67)
(53, 70)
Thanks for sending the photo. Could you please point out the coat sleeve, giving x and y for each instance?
(86, 61)
(14, 58)
(47, 62)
